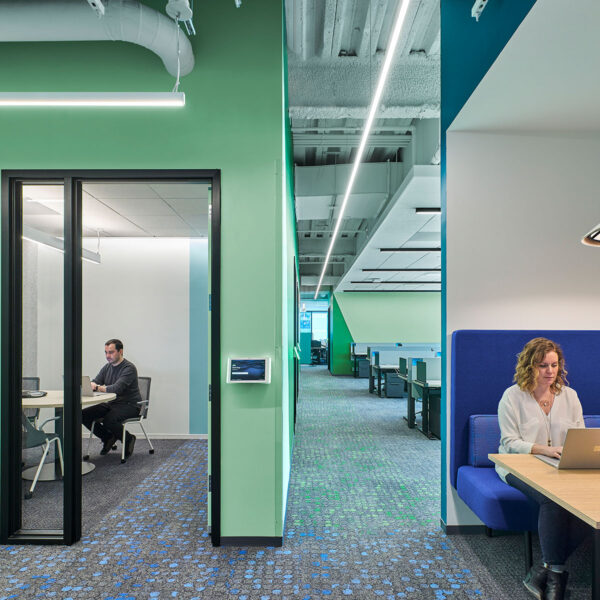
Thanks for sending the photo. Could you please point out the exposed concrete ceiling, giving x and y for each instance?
(335, 52)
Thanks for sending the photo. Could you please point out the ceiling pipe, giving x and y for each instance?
(73, 21)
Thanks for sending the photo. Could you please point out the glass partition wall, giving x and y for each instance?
(42, 356)
(41, 310)
(53, 221)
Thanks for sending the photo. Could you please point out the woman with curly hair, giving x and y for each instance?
(535, 415)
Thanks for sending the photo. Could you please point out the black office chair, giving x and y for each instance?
(144, 384)
(31, 384)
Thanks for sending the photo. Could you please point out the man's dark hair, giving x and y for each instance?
(118, 343)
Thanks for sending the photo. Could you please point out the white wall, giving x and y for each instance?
(140, 294)
(517, 208)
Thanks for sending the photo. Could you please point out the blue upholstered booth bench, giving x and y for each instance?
(483, 491)
(483, 364)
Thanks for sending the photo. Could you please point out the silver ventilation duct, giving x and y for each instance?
(74, 20)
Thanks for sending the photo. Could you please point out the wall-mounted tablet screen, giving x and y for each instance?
(249, 370)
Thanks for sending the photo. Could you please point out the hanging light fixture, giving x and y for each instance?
(593, 237)
(45, 239)
(123, 99)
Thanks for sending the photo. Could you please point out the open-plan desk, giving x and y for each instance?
(576, 490)
(355, 358)
(55, 399)
(377, 373)
(430, 393)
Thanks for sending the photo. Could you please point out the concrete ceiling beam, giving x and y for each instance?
(339, 89)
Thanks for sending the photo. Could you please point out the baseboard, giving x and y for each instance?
(160, 436)
(177, 436)
(251, 541)
(462, 529)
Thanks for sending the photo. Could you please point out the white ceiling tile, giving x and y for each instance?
(172, 222)
(399, 223)
(197, 222)
(52, 224)
(31, 207)
(434, 224)
(120, 189)
(131, 207)
(189, 206)
(427, 238)
(181, 190)
(312, 207)
(360, 206)
(43, 192)
(178, 232)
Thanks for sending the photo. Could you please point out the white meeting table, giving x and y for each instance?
(55, 399)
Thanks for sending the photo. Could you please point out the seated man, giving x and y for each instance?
(118, 376)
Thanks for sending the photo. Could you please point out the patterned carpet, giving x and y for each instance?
(362, 521)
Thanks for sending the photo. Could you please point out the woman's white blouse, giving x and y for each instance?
(523, 423)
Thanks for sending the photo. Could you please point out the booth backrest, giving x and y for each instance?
(484, 437)
(483, 365)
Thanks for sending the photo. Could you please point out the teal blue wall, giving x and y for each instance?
(468, 50)
(198, 336)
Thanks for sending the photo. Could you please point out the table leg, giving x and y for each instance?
(596, 566)
(425, 412)
(410, 407)
(371, 381)
(355, 368)
(379, 382)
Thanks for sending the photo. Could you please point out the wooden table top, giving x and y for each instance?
(55, 399)
(577, 490)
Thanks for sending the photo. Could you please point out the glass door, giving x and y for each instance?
(42, 356)
(40, 466)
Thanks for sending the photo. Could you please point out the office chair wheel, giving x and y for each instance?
(86, 457)
(123, 460)
(151, 451)
(28, 495)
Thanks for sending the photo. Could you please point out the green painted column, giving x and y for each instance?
(340, 341)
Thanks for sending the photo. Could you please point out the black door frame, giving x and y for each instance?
(11, 344)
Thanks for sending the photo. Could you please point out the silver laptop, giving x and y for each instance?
(86, 387)
(581, 450)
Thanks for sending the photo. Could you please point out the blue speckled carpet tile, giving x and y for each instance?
(362, 522)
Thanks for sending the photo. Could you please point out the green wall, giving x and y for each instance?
(385, 317)
(233, 121)
(340, 341)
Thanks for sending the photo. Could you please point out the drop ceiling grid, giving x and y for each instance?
(124, 209)
(397, 227)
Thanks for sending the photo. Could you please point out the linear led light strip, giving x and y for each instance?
(125, 99)
(45, 239)
(389, 55)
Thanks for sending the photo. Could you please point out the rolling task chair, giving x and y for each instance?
(32, 438)
(144, 384)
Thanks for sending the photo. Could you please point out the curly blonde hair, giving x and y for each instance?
(530, 358)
